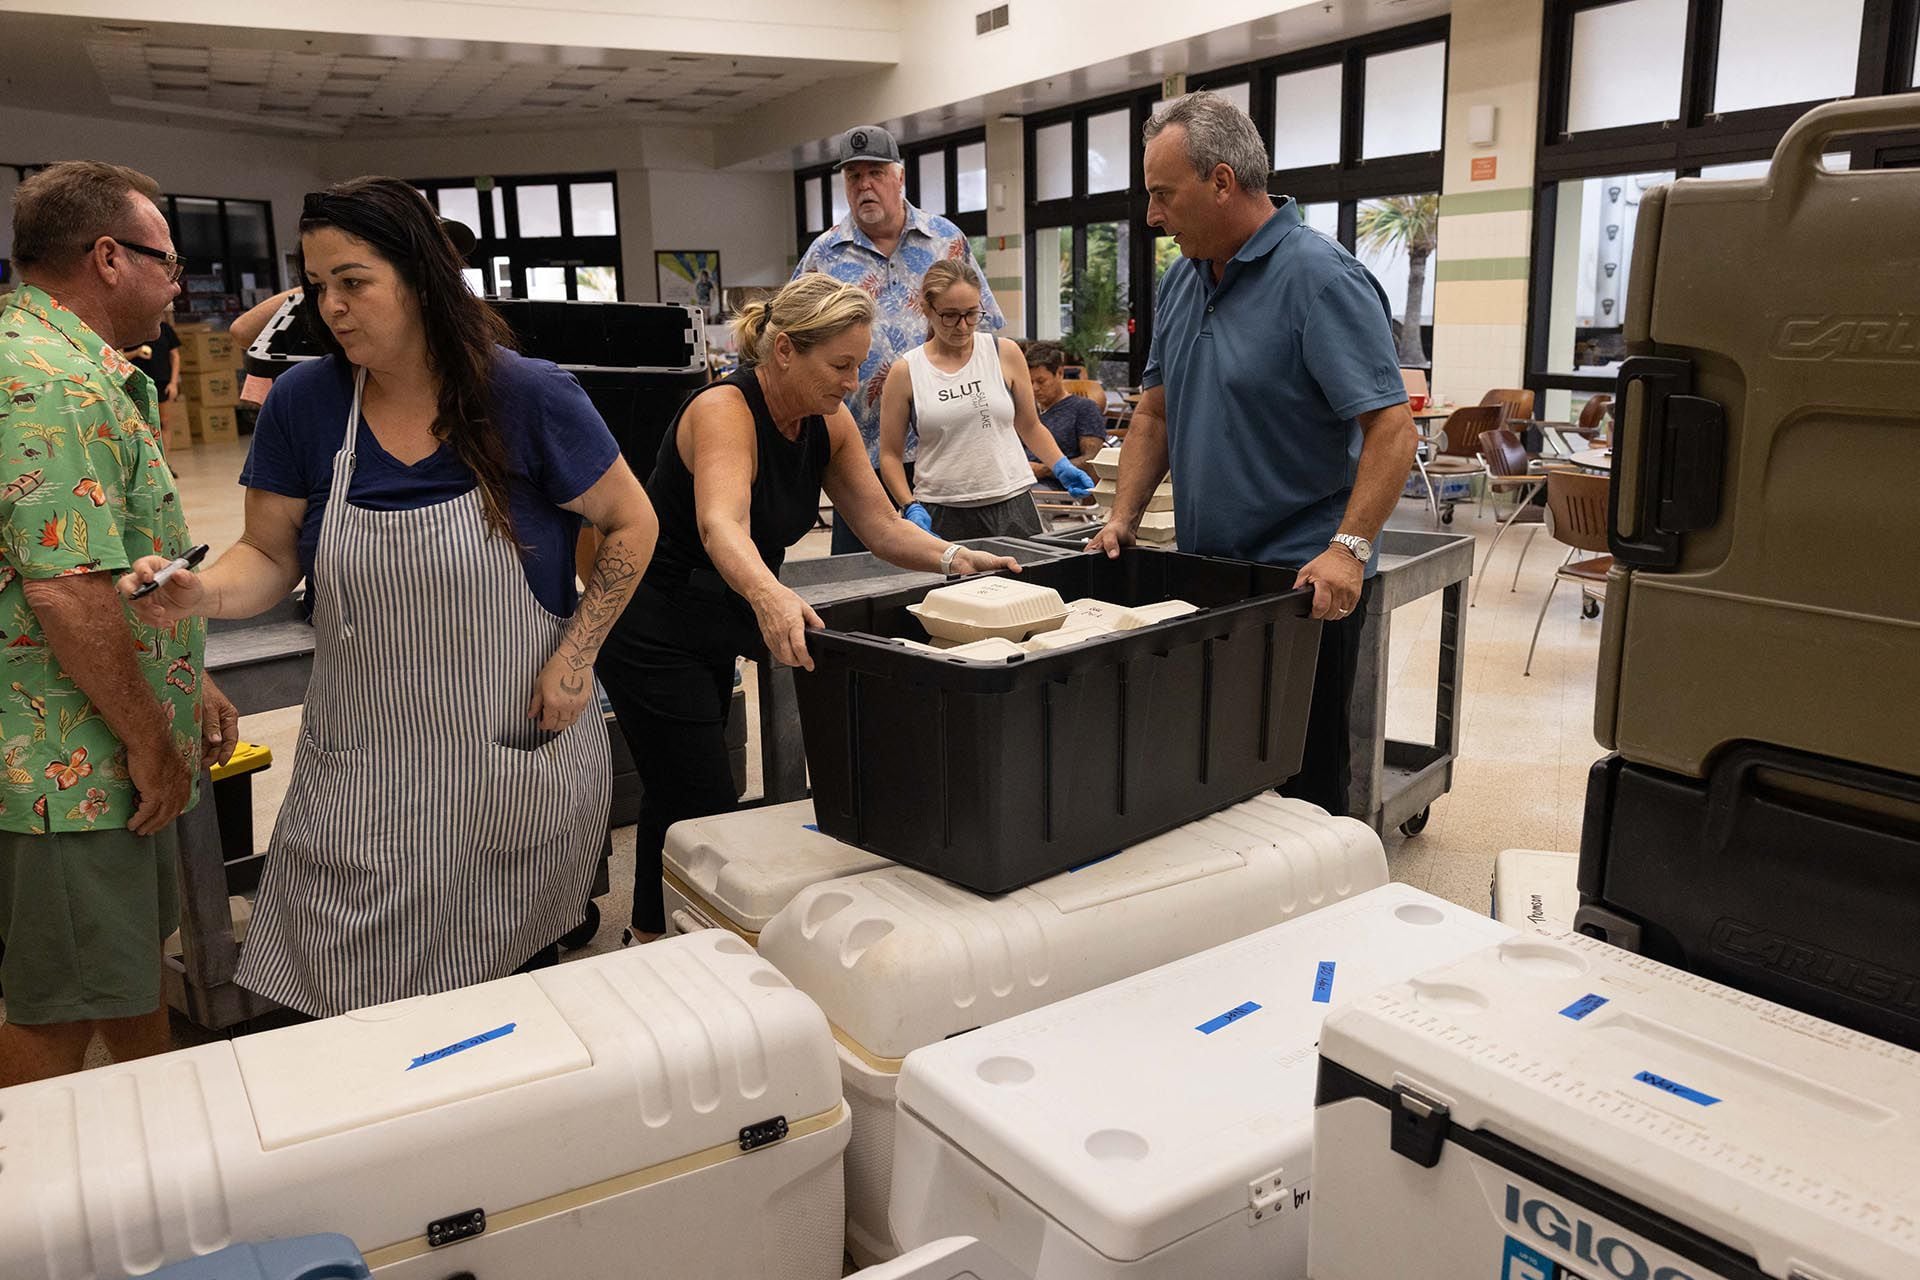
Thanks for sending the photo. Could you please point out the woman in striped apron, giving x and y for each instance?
(449, 797)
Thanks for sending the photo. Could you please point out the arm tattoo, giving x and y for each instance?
(615, 575)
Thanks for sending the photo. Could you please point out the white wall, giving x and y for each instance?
(189, 162)
(942, 60)
(747, 216)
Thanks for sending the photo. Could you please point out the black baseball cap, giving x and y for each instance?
(867, 142)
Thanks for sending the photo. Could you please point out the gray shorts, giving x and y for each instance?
(1014, 517)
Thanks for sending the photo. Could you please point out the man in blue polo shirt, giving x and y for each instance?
(1273, 392)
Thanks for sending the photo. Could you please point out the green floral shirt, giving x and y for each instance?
(83, 489)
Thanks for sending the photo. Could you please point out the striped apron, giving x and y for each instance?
(432, 836)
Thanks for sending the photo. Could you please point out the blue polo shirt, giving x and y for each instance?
(1265, 375)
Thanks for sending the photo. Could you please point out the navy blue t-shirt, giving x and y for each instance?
(557, 447)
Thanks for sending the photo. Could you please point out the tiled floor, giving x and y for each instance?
(1519, 780)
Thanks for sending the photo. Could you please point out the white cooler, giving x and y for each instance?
(899, 959)
(1555, 1107)
(736, 870)
(956, 1259)
(1536, 889)
(608, 1117)
(1161, 1126)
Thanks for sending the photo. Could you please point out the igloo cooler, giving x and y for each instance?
(674, 1108)
(898, 959)
(736, 870)
(1556, 1107)
(1162, 1126)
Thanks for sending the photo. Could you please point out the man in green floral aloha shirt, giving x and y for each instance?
(103, 721)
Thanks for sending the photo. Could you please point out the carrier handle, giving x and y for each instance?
(1732, 779)
(1669, 454)
(1798, 155)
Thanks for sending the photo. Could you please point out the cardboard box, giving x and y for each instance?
(221, 387)
(205, 351)
(173, 416)
(213, 422)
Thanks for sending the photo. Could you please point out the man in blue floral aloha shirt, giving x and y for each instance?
(885, 246)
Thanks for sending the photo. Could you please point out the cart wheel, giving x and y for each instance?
(1446, 516)
(1589, 608)
(581, 934)
(1417, 823)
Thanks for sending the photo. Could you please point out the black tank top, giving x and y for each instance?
(784, 504)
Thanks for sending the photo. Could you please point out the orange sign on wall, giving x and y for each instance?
(1483, 167)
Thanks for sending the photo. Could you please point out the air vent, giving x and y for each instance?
(989, 20)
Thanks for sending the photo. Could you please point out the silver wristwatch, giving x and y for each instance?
(1355, 545)
(946, 557)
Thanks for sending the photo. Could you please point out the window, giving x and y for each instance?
(1405, 101)
(816, 213)
(592, 208)
(228, 245)
(539, 208)
(596, 284)
(1109, 151)
(1611, 86)
(1053, 282)
(461, 204)
(839, 189)
(1395, 237)
(547, 282)
(1591, 261)
(1306, 118)
(947, 176)
(557, 222)
(970, 162)
(932, 171)
(1779, 51)
(1053, 162)
(1325, 218)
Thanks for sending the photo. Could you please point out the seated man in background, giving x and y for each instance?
(1077, 424)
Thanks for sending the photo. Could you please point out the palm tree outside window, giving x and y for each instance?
(1396, 237)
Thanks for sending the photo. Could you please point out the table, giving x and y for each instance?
(1600, 460)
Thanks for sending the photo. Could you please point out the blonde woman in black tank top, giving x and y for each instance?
(737, 482)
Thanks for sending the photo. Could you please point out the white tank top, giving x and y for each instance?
(970, 454)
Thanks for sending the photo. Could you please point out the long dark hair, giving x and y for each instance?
(462, 331)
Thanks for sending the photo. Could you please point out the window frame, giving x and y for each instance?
(564, 251)
(229, 271)
(1697, 138)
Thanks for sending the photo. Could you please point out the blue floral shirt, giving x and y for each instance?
(845, 253)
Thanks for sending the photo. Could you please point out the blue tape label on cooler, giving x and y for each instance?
(1675, 1088)
(1226, 1019)
(810, 826)
(1585, 1005)
(461, 1046)
(1323, 983)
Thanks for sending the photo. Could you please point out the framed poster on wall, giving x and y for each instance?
(691, 277)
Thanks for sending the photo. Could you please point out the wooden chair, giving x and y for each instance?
(1088, 387)
(1594, 415)
(1577, 516)
(1456, 450)
(1519, 402)
(1510, 470)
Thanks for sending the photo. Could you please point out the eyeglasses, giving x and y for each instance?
(959, 317)
(175, 264)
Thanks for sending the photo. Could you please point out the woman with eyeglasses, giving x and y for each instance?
(449, 796)
(971, 401)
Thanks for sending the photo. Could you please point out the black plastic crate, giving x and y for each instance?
(637, 361)
(997, 774)
(1786, 875)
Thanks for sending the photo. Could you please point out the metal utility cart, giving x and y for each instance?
(1395, 783)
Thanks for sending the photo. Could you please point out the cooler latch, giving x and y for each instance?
(1420, 1126)
(1269, 1195)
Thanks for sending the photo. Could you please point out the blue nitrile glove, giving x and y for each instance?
(1072, 479)
(918, 515)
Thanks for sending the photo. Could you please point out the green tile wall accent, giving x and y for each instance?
(1504, 200)
(1482, 269)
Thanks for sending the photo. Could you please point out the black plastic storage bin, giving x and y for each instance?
(1790, 876)
(997, 774)
(637, 361)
